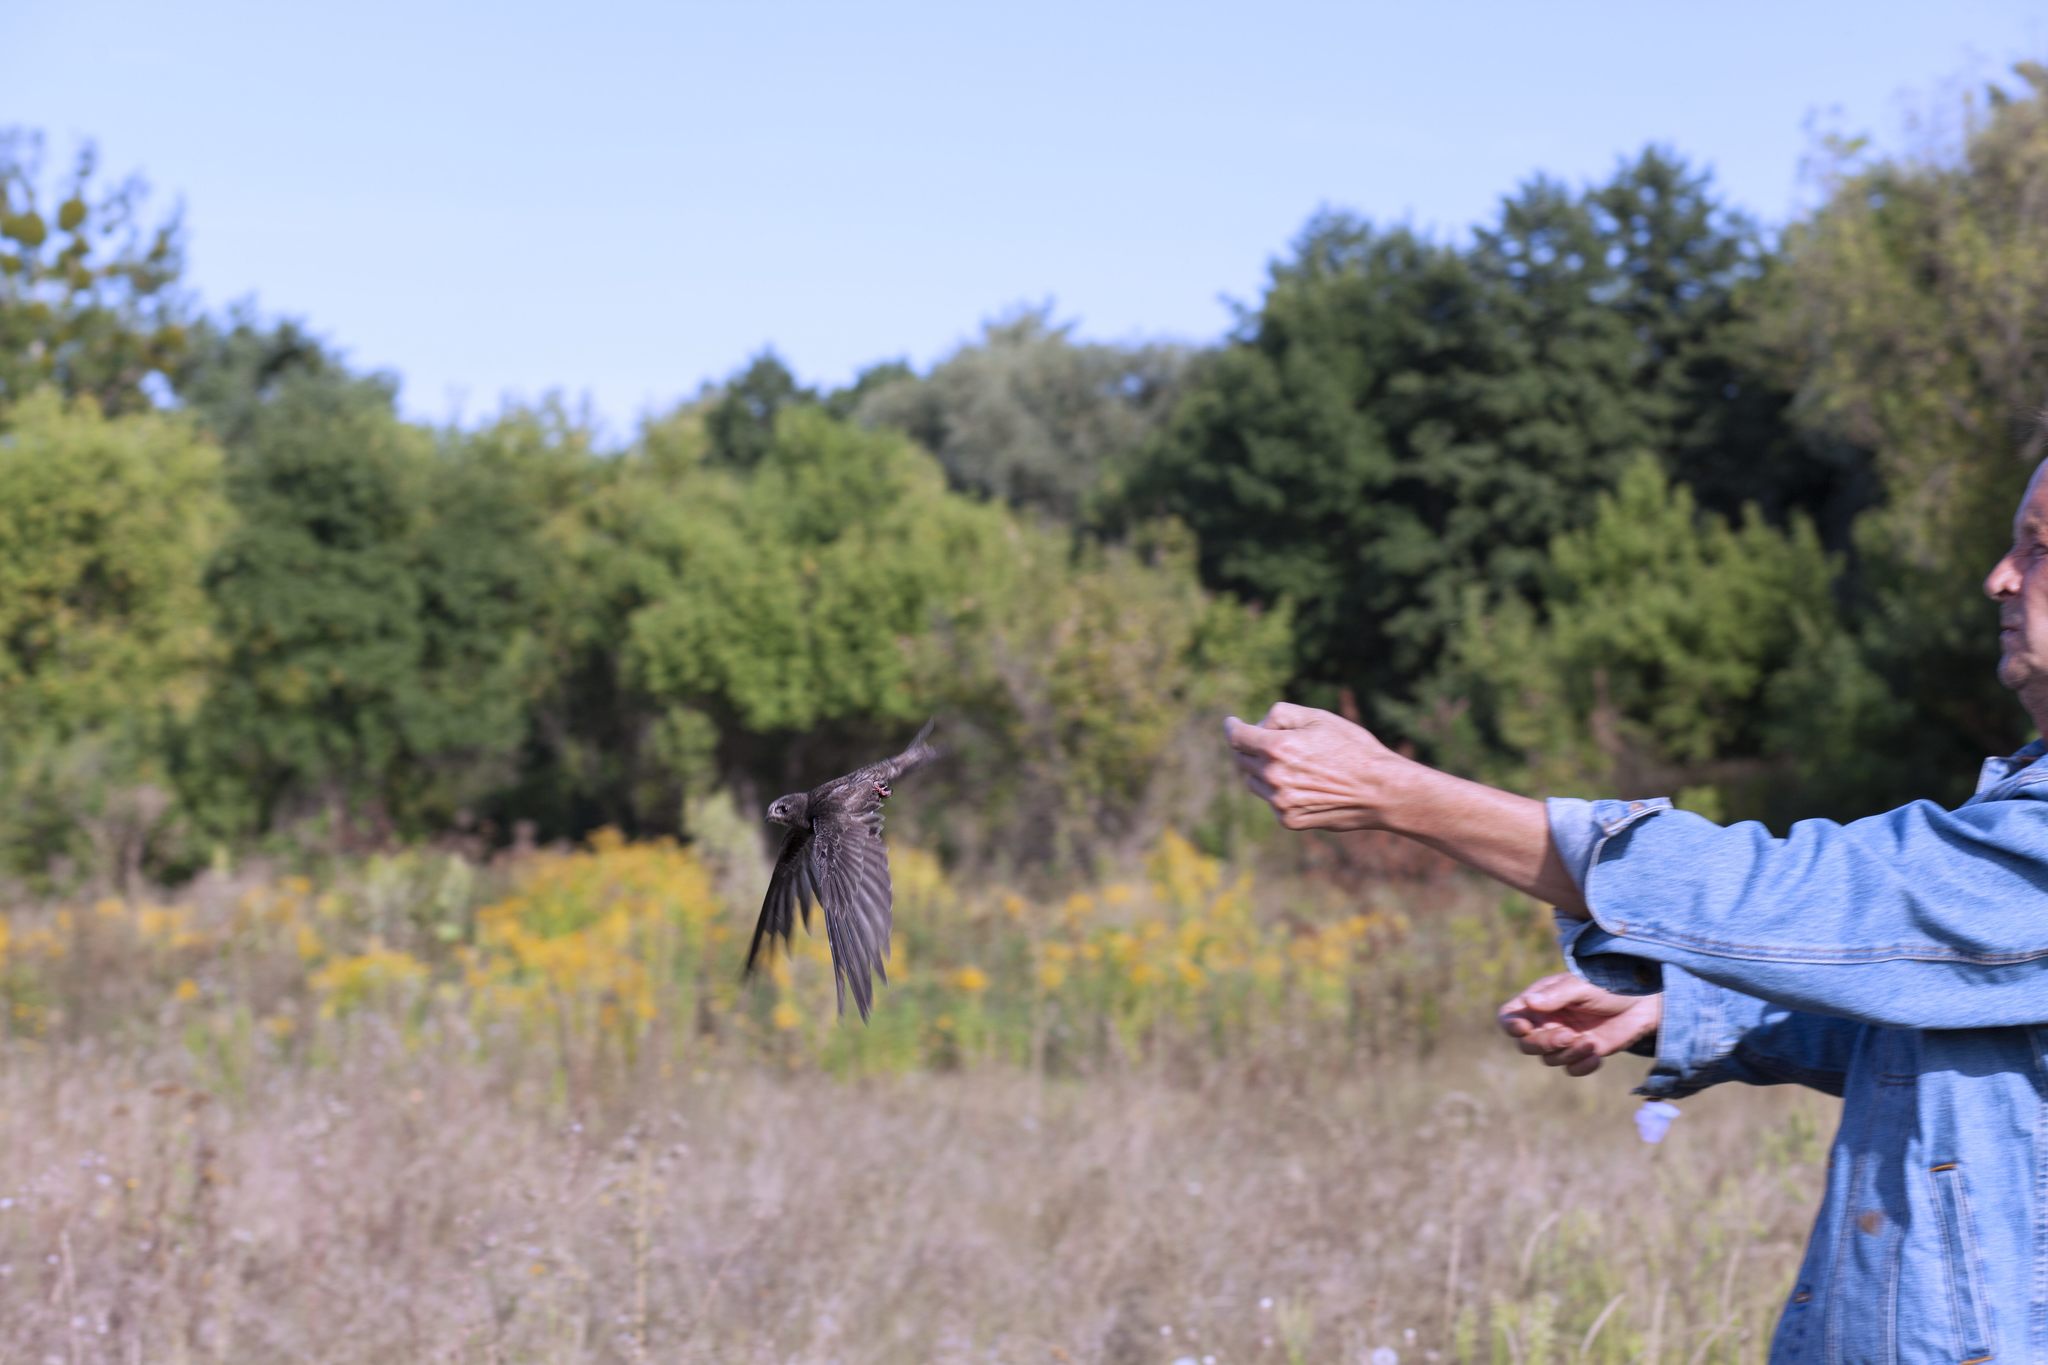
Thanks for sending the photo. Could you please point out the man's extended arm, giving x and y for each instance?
(1918, 918)
(1319, 771)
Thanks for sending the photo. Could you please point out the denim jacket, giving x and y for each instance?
(1899, 962)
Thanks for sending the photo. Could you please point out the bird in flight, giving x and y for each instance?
(833, 854)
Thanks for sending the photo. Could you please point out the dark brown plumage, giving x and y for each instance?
(833, 854)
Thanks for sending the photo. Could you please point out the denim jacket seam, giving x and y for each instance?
(1804, 953)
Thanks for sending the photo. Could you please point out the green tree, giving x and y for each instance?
(600, 750)
(234, 367)
(1683, 274)
(488, 560)
(1402, 422)
(1031, 416)
(106, 634)
(1327, 457)
(1912, 312)
(740, 420)
(763, 627)
(1675, 650)
(321, 610)
(797, 587)
(1099, 676)
(88, 298)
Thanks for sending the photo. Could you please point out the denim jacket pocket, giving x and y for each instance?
(1962, 1263)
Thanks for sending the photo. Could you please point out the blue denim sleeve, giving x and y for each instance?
(1576, 834)
(1917, 918)
(1710, 1034)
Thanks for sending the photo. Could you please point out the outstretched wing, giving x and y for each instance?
(789, 888)
(850, 868)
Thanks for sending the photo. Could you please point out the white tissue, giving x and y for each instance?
(1653, 1120)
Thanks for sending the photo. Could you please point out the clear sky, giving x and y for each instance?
(623, 200)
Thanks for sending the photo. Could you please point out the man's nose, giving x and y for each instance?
(2003, 580)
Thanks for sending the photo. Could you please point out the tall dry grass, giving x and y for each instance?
(368, 1121)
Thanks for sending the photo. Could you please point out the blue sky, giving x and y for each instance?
(623, 200)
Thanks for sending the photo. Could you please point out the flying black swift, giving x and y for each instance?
(834, 855)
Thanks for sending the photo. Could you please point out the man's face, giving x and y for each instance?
(2019, 584)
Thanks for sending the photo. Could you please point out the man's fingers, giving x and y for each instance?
(1284, 715)
(1247, 738)
(1558, 992)
(1574, 1057)
(1614, 1034)
(1548, 995)
(1546, 1039)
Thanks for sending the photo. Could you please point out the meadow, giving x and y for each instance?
(420, 1107)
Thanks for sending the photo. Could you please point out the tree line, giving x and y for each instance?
(1619, 492)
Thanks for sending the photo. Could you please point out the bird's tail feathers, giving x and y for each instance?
(920, 752)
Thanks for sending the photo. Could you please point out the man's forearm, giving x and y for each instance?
(1499, 833)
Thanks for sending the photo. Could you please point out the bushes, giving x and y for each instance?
(595, 961)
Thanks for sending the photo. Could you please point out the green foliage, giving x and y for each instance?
(1911, 310)
(1608, 495)
(741, 420)
(1402, 422)
(1310, 457)
(105, 631)
(232, 368)
(375, 598)
(1102, 673)
(796, 587)
(1674, 650)
(320, 608)
(87, 292)
(490, 590)
(1683, 269)
(1030, 416)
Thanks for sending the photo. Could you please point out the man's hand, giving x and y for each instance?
(1572, 1023)
(1316, 770)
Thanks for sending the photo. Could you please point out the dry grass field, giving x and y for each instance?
(366, 1121)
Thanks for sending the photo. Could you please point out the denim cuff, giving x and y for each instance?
(1579, 827)
(1691, 1041)
(1587, 957)
(1575, 833)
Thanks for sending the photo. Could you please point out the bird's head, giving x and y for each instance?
(790, 810)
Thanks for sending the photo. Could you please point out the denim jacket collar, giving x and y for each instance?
(1997, 771)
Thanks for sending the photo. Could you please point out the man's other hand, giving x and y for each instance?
(1316, 770)
(1572, 1023)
